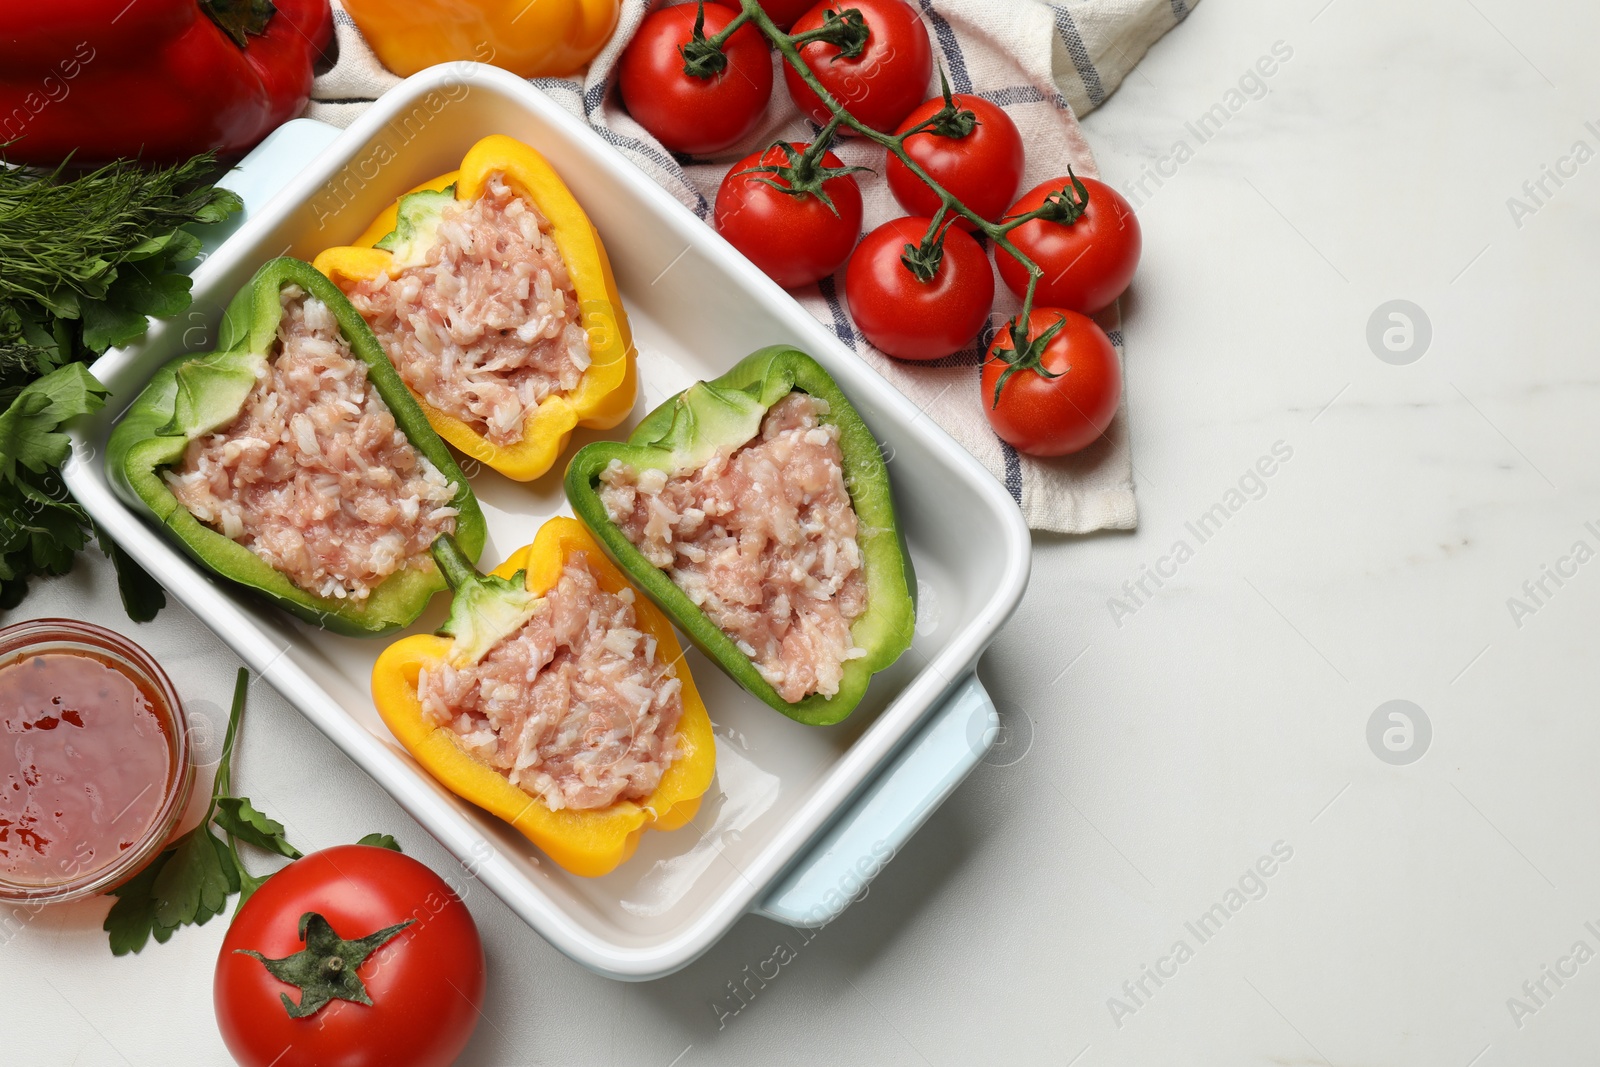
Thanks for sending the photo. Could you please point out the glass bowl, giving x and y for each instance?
(26, 639)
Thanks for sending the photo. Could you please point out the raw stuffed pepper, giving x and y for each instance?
(492, 295)
(291, 460)
(755, 509)
(554, 698)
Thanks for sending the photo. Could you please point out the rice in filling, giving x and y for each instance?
(313, 475)
(488, 326)
(575, 708)
(763, 539)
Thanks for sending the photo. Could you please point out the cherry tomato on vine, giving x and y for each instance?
(1065, 409)
(784, 12)
(796, 238)
(981, 169)
(403, 940)
(881, 84)
(691, 114)
(1088, 262)
(906, 316)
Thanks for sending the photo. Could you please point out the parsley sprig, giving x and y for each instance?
(190, 881)
(87, 259)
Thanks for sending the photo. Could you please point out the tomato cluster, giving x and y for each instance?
(922, 286)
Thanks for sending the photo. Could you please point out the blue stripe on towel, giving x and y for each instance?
(1023, 94)
(841, 322)
(1013, 472)
(954, 61)
(1079, 53)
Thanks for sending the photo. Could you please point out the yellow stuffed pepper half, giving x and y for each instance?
(489, 609)
(400, 241)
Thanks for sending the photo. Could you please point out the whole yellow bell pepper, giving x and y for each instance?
(591, 842)
(605, 393)
(530, 38)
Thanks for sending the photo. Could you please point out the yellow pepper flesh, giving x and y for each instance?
(605, 393)
(530, 38)
(588, 843)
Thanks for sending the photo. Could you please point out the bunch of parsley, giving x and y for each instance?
(84, 260)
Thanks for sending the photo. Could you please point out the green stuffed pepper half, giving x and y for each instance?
(293, 461)
(755, 511)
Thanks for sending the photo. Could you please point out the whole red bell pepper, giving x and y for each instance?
(160, 80)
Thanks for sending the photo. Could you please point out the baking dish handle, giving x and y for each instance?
(850, 853)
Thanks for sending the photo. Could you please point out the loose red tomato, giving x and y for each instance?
(1052, 416)
(879, 86)
(910, 318)
(688, 113)
(784, 12)
(426, 981)
(795, 238)
(1088, 263)
(981, 169)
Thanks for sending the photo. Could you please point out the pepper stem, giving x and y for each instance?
(453, 563)
(240, 19)
(484, 608)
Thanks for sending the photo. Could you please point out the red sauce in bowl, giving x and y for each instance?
(83, 756)
(93, 760)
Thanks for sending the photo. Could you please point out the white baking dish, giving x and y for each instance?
(799, 817)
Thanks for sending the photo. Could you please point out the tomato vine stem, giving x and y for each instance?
(720, 38)
(837, 30)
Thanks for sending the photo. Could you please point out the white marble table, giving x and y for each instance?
(1164, 754)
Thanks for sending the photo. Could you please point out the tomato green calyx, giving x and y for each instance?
(951, 121)
(802, 174)
(326, 968)
(845, 29)
(1066, 206)
(1023, 353)
(923, 260)
(703, 56)
(240, 19)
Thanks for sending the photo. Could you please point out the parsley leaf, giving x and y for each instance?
(142, 595)
(239, 817)
(132, 918)
(381, 841)
(192, 886)
(30, 428)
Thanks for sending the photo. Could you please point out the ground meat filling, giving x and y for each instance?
(488, 326)
(763, 539)
(313, 476)
(575, 708)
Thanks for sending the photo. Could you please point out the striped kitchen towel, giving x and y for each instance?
(1043, 63)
